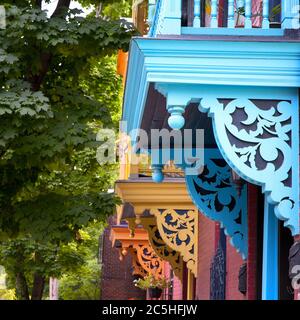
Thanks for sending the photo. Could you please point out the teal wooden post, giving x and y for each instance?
(248, 13)
(197, 12)
(270, 254)
(290, 14)
(151, 11)
(265, 22)
(214, 14)
(172, 17)
(230, 20)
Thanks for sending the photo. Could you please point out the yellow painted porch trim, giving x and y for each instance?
(190, 286)
(161, 248)
(180, 233)
(146, 194)
(162, 200)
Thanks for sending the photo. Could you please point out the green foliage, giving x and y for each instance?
(110, 8)
(53, 101)
(118, 8)
(87, 286)
(7, 294)
(34, 257)
(58, 87)
(150, 281)
(67, 261)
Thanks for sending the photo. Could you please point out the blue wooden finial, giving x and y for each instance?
(157, 174)
(176, 120)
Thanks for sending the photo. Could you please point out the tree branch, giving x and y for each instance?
(39, 3)
(99, 10)
(61, 7)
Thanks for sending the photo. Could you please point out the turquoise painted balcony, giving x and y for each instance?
(222, 17)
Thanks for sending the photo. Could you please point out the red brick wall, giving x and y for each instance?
(177, 289)
(208, 240)
(234, 260)
(117, 280)
(233, 263)
(177, 286)
(206, 251)
(167, 274)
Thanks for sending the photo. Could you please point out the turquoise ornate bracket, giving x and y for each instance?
(260, 142)
(217, 197)
(213, 192)
(257, 132)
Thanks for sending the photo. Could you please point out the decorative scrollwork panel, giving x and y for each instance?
(138, 270)
(215, 194)
(162, 249)
(179, 230)
(149, 260)
(144, 260)
(260, 141)
(217, 197)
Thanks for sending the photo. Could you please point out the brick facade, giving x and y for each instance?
(177, 289)
(206, 251)
(176, 292)
(233, 263)
(208, 241)
(117, 280)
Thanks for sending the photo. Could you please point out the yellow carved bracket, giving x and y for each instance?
(161, 248)
(179, 230)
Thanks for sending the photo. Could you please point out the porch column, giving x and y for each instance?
(151, 11)
(190, 285)
(270, 254)
(290, 14)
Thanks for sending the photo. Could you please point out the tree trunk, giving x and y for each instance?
(38, 287)
(37, 79)
(62, 5)
(22, 292)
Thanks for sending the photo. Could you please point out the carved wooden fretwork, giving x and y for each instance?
(138, 270)
(145, 260)
(179, 231)
(149, 260)
(161, 248)
(260, 141)
(216, 196)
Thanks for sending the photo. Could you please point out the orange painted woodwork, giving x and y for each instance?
(122, 64)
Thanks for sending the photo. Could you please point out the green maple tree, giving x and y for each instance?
(51, 186)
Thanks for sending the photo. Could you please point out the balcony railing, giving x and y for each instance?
(227, 17)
